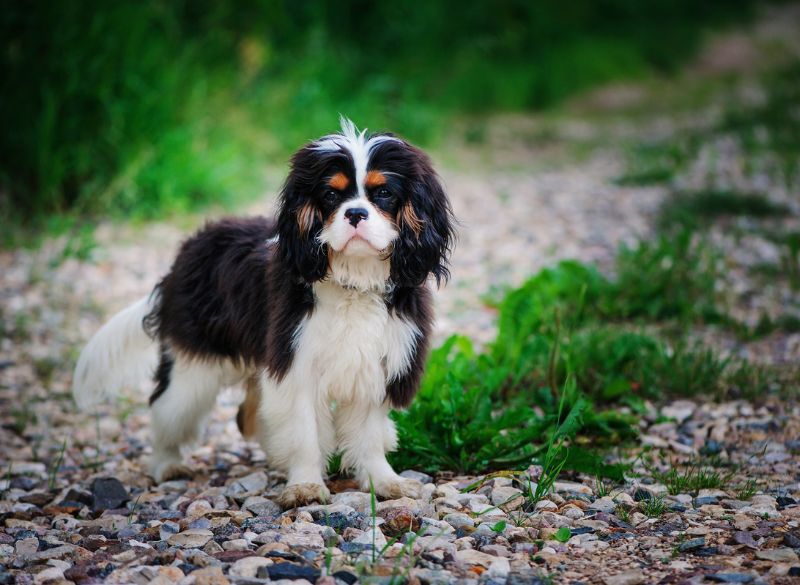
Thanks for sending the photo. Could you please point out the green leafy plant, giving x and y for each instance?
(654, 507)
(563, 534)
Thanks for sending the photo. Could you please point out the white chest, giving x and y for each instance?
(350, 346)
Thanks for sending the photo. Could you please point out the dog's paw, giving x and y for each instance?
(303, 494)
(169, 470)
(399, 487)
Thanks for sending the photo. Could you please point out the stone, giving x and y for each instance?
(261, 506)
(255, 482)
(209, 576)
(398, 521)
(778, 555)
(473, 557)
(458, 520)
(25, 547)
(731, 577)
(680, 410)
(604, 504)
(248, 567)
(508, 498)
(198, 508)
(359, 501)
(692, 544)
(633, 577)
(191, 538)
(108, 493)
(423, 478)
(235, 544)
(289, 571)
(571, 487)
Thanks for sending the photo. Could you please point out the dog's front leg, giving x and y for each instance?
(365, 434)
(294, 434)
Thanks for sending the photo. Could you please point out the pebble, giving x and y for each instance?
(192, 538)
(248, 567)
(778, 555)
(633, 577)
(108, 493)
(604, 504)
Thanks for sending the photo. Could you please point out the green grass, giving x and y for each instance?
(572, 347)
(692, 479)
(143, 108)
(654, 507)
(696, 208)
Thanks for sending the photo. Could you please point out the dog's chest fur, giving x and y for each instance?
(351, 345)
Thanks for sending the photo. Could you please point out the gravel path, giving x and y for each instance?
(525, 200)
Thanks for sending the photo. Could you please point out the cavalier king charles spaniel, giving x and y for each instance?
(324, 314)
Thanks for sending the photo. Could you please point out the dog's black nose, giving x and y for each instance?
(356, 214)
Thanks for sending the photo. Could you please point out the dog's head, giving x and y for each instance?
(357, 204)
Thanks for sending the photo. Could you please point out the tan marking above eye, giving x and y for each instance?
(339, 181)
(374, 179)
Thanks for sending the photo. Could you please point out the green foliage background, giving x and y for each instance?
(145, 107)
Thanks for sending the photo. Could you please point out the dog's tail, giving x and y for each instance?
(120, 354)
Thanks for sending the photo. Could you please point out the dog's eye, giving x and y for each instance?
(383, 193)
(330, 196)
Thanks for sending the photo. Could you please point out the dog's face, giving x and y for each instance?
(355, 196)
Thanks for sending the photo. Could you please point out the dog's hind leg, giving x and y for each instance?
(185, 393)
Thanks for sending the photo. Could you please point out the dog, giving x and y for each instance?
(324, 313)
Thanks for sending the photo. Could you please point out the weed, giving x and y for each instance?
(133, 510)
(654, 507)
(692, 208)
(691, 479)
(563, 534)
(56, 465)
(747, 490)
(623, 513)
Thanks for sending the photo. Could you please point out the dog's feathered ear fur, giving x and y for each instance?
(300, 222)
(426, 224)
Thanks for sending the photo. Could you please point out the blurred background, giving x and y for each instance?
(137, 108)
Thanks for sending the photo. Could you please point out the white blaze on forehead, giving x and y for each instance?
(357, 144)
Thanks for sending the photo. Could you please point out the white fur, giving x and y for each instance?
(370, 237)
(357, 144)
(334, 394)
(181, 411)
(120, 354)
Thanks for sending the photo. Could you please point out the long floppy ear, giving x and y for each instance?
(426, 224)
(300, 222)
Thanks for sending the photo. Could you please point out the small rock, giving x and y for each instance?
(248, 566)
(693, 544)
(108, 493)
(731, 577)
(191, 538)
(289, 571)
(633, 577)
(235, 544)
(680, 410)
(778, 555)
(458, 520)
(359, 501)
(198, 508)
(508, 498)
(423, 478)
(399, 521)
(261, 506)
(25, 547)
(604, 504)
(255, 482)
(209, 576)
